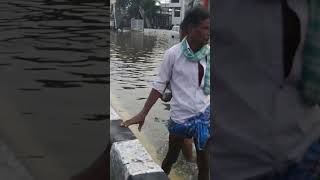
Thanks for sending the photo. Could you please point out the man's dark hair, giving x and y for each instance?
(194, 16)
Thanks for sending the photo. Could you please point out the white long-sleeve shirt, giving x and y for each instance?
(188, 98)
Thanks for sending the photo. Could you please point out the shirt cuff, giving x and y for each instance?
(159, 86)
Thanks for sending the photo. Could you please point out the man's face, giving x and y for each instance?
(201, 32)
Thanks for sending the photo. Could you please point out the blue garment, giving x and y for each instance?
(196, 127)
(309, 167)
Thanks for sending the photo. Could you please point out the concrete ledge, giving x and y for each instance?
(113, 114)
(129, 160)
(150, 176)
(172, 35)
(118, 133)
(157, 31)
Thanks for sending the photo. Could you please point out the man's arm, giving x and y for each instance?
(153, 97)
(140, 117)
(159, 85)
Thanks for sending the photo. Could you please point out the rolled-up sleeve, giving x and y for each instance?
(164, 73)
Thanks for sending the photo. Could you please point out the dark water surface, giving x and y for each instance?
(54, 80)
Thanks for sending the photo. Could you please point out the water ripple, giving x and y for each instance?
(53, 64)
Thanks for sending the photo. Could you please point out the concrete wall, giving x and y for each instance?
(171, 35)
(137, 24)
(129, 160)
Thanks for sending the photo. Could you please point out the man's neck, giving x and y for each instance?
(193, 45)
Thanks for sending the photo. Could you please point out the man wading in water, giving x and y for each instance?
(186, 67)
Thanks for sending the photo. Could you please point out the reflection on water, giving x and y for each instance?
(53, 57)
(134, 61)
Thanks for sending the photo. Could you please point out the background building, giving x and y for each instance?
(176, 9)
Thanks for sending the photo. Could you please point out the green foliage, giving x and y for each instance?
(149, 7)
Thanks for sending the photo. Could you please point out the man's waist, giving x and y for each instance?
(180, 115)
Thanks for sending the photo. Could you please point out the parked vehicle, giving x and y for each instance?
(175, 32)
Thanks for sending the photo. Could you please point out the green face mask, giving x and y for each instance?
(203, 53)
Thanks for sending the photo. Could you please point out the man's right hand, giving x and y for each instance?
(138, 119)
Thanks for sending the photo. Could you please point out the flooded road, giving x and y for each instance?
(53, 75)
(134, 60)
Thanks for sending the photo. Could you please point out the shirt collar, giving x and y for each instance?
(188, 46)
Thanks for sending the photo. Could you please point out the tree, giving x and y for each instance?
(145, 9)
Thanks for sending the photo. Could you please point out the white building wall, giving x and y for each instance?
(175, 20)
(183, 5)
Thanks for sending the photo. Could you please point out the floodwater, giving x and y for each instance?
(53, 75)
(134, 60)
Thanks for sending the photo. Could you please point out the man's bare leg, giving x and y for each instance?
(187, 149)
(203, 164)
(175, 145)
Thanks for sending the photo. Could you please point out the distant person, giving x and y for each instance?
(186, 67)
(266, 90)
